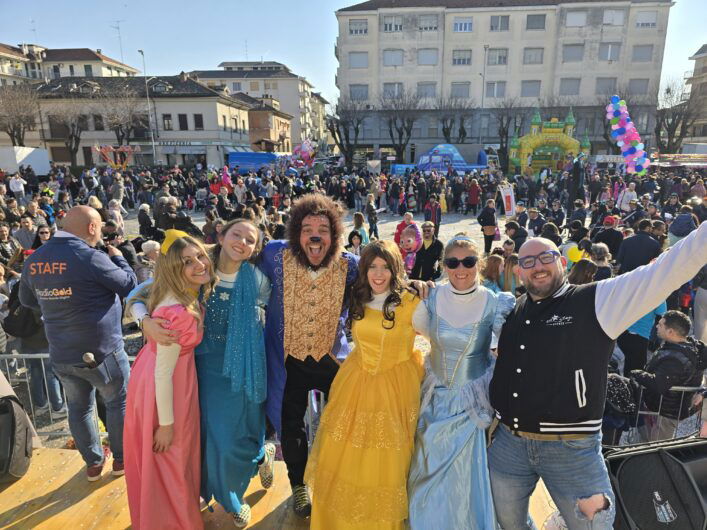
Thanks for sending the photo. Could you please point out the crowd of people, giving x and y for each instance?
(272, 298)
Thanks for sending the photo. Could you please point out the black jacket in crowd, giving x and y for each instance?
(487, 217)
(612, 238)
(519, 237)
(428, 262)
(637, 250)
(672, 365)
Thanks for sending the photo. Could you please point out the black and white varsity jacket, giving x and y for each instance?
(553, 354)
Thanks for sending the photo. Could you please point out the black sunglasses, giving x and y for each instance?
(469, 262)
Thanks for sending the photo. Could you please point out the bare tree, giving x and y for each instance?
(345, 123)
(124, 112)
(68, 119)
(452, 111)
(399, 112)
(678, 108)
(510, 116)
(18, 110)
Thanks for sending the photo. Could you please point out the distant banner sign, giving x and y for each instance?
(616, 159)
(509, 199)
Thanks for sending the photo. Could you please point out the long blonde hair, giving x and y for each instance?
(169, 280)
(509, 274)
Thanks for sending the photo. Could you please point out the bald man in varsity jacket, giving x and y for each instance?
(549, 384)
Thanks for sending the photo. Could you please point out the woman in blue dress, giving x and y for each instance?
(448, 484)
(231, 370)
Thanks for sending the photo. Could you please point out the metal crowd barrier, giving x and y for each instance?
(16, 367)
(688, 426)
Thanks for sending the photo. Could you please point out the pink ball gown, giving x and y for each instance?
(163, 488)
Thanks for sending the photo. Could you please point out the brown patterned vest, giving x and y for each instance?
(312, 306)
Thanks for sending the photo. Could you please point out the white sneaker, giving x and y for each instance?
(242, 518)
(41, 410)
(63, 412)
(266, 470)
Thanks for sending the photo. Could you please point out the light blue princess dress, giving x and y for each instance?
(448, 484)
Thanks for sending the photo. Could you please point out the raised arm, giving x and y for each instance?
(620, 301)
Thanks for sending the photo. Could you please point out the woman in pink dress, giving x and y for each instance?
(161, 434)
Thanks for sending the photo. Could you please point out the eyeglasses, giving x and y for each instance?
(546, 258)
(469, 262)
(45, 233)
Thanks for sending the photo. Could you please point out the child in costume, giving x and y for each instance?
(410, 243)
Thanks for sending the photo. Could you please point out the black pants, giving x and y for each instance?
(302, 376)
(635, 350)
(488, 243)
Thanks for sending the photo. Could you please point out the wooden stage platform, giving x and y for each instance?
(56, 495)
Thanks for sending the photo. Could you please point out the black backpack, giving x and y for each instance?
(15, 440)
(20, 321)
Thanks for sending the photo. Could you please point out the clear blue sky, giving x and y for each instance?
(187, 35)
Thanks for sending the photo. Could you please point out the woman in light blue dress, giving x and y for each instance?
(448, 484)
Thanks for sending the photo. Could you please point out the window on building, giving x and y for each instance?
(500, 22)
(461, 57)
(392, 57)
(60, 154)
(270, 85)
(358, 92)
(605, 85)
(432, 127)
(496, 89)
(167, 122)
(255, 86)
(484, 125)
(183, 122)
(646, 19)
(572, 53)
(461, 90)
(638, 86)
(244, 128)
(357, 60)
(88, 70)
(569, 86)
(392, 24)
(642, 53)
(98, 123)
(533, 55)
(71, 70)
(463, 24)
(392, 90)
(224, 122)
(198, 122)
(613, 17)
(530, 89)
(497, 56)
(427, 23)
(535, 22)
(427, 56)
(56, 72)
(358, 26)
(236, 86)
(609, 51)
(427, 90)
(576, 19)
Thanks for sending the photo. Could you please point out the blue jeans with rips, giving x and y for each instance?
(571, 470)
(80, 382)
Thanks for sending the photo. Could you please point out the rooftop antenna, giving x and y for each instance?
(33, 29)
(120, 38)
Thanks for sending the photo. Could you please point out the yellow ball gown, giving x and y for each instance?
(359, 464)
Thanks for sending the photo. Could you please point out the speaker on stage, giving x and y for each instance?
(660, 485)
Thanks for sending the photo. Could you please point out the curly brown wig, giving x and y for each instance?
(315, 204)
(361, 292)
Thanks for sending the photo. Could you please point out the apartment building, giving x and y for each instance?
(30, 62)
(270, 128)
(554, 53)
(268, 78)
(697, 80)
(191, 123)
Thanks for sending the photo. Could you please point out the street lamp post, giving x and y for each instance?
(149, 113)
(483, 93)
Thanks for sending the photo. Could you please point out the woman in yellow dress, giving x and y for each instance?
(358, 467)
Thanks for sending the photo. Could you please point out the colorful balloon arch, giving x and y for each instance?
(626, 136)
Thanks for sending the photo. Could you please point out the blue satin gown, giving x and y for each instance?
(448, 484)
